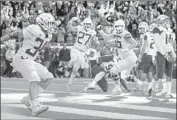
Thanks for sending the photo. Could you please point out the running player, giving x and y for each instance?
(86, 37)
(34, 37)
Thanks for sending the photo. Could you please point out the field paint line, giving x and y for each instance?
(129, 106)
(115, 104)
(60, 84)
(93, 113)
(5, 116)
(58, 92)
(51, 84)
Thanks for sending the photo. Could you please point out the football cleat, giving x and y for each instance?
(38, 109)
(168, 96)
(89, 87)
(26, 102)
(163, 92)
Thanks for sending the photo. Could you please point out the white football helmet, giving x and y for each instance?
(152, 26)
(143, 27)
(163, 20)
(119, 26)
(46, 21)
(87, 23)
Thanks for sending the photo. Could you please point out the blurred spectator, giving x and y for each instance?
(64, 55)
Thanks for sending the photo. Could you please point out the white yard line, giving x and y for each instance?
(93, 113)
(106, 103)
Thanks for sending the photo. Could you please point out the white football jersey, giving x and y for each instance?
(151, 48)
(84, 38)
(164, 37)
(121, 41)
(34, 41)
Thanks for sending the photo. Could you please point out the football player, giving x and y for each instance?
(34, 37)
(123, 41)
(86, 37)
(165, 54)
(149, 50)
(143, 29)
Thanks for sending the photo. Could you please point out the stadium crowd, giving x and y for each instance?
(18, 15)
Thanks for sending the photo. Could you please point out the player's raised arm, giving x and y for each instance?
(72, 24)
(105, 36)
(18, 35)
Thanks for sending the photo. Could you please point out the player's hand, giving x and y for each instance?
(99, 27)
(170, 56)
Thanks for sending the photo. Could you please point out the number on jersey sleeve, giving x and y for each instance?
(34, 50)
(83, 38)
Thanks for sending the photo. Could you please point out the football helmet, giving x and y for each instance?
(87, 23)
(163, 20)
(143, 27)
(46, 21)
(119, 26)
(152, 26)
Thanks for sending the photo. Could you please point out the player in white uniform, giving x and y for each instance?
(149, 48)
(143, 29)
(123, 41)
(86, 37)
(34, 39)
(165, 54)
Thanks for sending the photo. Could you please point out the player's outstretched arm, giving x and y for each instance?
(105, 36)
(18, 35)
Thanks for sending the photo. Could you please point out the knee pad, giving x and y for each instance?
(103, 84)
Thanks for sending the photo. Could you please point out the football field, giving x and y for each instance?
(79, 105)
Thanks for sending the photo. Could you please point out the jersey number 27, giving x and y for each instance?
(83, 38)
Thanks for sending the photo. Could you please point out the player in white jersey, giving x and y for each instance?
(123, 41)
(34, 39)
(149, 48)
(143, 29)
(165, 54)
(86, 37)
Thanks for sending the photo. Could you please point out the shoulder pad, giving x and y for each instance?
(127, 35)
(157, 30)
(34, 30)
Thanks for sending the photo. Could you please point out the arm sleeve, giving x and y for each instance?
(104, 35)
